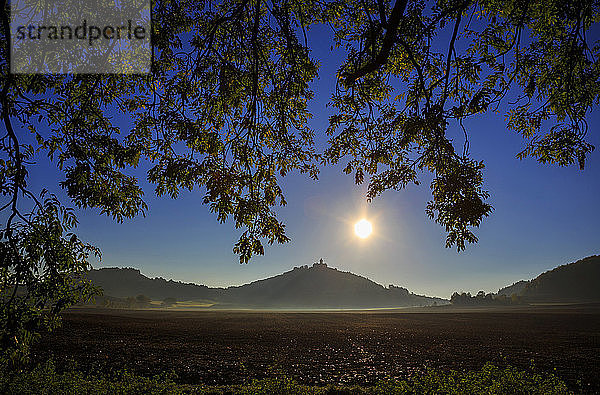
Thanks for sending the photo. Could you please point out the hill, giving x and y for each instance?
(318, 286)
(125, 282)
(577, 282)
(323, 287)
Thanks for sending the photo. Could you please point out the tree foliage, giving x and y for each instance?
(483, 299)
(41, 274)
(225, 112)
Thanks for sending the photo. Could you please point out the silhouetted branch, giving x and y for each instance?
(388, 42)
(450, 49)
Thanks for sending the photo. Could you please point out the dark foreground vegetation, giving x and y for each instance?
(218, 348)
(45, 379)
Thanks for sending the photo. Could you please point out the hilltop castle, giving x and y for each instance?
(317, 265)
(320, 264)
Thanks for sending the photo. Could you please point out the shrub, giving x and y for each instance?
(46, 379)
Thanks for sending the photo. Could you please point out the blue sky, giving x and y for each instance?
(543, 216)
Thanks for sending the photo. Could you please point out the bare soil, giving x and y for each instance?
(362, 347)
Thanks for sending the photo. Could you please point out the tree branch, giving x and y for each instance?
(450, 49)
(388, 42)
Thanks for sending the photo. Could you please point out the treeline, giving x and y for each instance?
(483, 299)
(138, 302)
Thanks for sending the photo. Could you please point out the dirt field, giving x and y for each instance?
(219, 347)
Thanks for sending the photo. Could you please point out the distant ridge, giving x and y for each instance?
(577, 282)
(125, 282)
(314, 287)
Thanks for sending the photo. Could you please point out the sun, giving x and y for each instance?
(363, 228)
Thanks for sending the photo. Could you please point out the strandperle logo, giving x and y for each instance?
(84, 31)
(74, 36)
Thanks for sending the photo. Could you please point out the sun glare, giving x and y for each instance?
(363, 228)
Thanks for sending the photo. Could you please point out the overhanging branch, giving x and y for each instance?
(388, 42)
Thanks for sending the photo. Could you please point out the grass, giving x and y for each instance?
(490, 379)
(193, 304)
